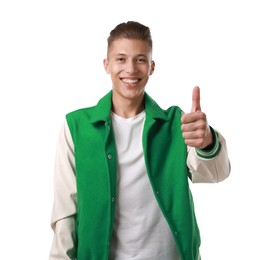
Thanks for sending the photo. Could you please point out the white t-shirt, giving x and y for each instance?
(140, 230)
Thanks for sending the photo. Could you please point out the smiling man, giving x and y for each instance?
(130, 64)
(123, 166)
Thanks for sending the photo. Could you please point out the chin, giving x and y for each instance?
(129, 93)
(133, 94)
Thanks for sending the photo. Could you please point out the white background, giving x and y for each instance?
(51, 55)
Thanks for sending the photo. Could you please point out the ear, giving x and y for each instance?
(152, 67)
(106, 65)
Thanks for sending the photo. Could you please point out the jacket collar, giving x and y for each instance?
(153, 110)
(102, 111)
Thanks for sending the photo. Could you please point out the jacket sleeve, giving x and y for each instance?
(209, 166)
(63, 219)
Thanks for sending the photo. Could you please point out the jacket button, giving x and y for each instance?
(109, 156)
(113, 199)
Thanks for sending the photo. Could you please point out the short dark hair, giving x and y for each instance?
(130, 30)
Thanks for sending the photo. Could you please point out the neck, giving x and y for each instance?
(127, 107)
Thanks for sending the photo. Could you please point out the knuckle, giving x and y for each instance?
(183, 128)
(183, 118)
(199, 133)
(201, 125)
(202, 115)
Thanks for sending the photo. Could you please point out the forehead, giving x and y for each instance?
(129, 47)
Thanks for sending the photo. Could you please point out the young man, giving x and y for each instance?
(122, 166)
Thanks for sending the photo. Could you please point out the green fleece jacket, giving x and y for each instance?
(165, 155)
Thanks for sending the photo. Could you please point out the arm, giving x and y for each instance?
(63, 220)
(207, 157)
(209, 166)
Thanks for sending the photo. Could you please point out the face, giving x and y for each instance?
(130, 64)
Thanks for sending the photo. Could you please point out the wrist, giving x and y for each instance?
(211, 150)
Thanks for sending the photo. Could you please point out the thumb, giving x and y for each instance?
(196, 106)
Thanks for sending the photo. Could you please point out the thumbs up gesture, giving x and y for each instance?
(195, 128)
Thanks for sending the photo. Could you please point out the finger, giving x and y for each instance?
(197, 143)
(193, 117)
(194, 134)
(196, 106)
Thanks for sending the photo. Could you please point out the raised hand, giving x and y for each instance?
(195, 128)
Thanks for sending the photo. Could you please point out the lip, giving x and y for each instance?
(130, 81)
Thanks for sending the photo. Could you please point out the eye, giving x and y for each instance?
(120, 59)
(141, 60)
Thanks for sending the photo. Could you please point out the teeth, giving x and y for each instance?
(130, 81)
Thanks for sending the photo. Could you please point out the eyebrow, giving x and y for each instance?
(137, 55)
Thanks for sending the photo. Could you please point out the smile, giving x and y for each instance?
(130, 81)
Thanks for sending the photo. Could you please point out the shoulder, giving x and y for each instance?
(82, 112)
(173, 111)
(79, 116)
(154, 110)
(100, 112)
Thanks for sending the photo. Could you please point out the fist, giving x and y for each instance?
(195, 128)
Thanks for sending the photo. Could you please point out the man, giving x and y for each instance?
(121, 175)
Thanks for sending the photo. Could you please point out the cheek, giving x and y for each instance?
(114, 70)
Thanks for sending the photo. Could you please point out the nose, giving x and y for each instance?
(131, 67)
